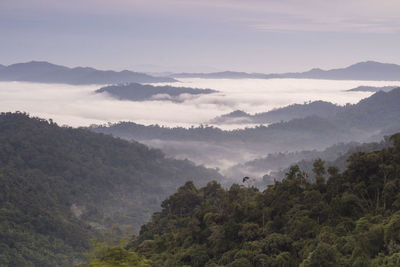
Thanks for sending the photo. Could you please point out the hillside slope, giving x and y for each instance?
(287, 113)
(61, 186)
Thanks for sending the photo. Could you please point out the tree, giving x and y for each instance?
(319, 171)
(324, 255)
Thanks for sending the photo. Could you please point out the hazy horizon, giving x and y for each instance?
(166, 72)
(206, 36)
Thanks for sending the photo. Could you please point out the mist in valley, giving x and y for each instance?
(199, 133)
(80, 106)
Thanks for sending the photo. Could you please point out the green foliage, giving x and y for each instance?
(350, 219)
(60, 187)
(323, 255)
(113, 253)
(119, 257)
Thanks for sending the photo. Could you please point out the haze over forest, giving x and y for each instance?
(199, 133)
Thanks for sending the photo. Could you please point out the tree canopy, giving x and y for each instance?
(60, 187)
(342, 219)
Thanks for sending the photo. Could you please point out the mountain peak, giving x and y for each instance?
(237, 113)
(315, 70)
(373, 64)
(36, 63)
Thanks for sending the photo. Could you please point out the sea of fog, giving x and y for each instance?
(80, 106)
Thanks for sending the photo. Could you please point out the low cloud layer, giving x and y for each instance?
(80, 106)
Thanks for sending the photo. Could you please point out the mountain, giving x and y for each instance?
(368, 71)
(44, 72)
(377, 112)
(348, 218)
(234, 117)
(372, 89)
(60, 187)
(317, 108)
(367, 121)
(295, 111)
(138, 92)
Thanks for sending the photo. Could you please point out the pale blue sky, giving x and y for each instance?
(207, 35)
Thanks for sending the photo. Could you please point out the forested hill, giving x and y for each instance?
(139, 92)
(359, 122)
(61, 186)
(342, 219)
(296, 111)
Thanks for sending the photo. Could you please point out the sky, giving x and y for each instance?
(200, 36)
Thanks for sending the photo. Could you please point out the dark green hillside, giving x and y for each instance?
(61, 186)
(343, 219)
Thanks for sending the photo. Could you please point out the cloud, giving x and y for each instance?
(294, 15)
(122, 34)
(79, 106)
(346, 26)
(356, 16)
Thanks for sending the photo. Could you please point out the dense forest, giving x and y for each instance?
(348, 218)
(60, 187)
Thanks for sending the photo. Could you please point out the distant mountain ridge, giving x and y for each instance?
(45, 72)
(368, 70)
(372, 88)
(319, 108)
